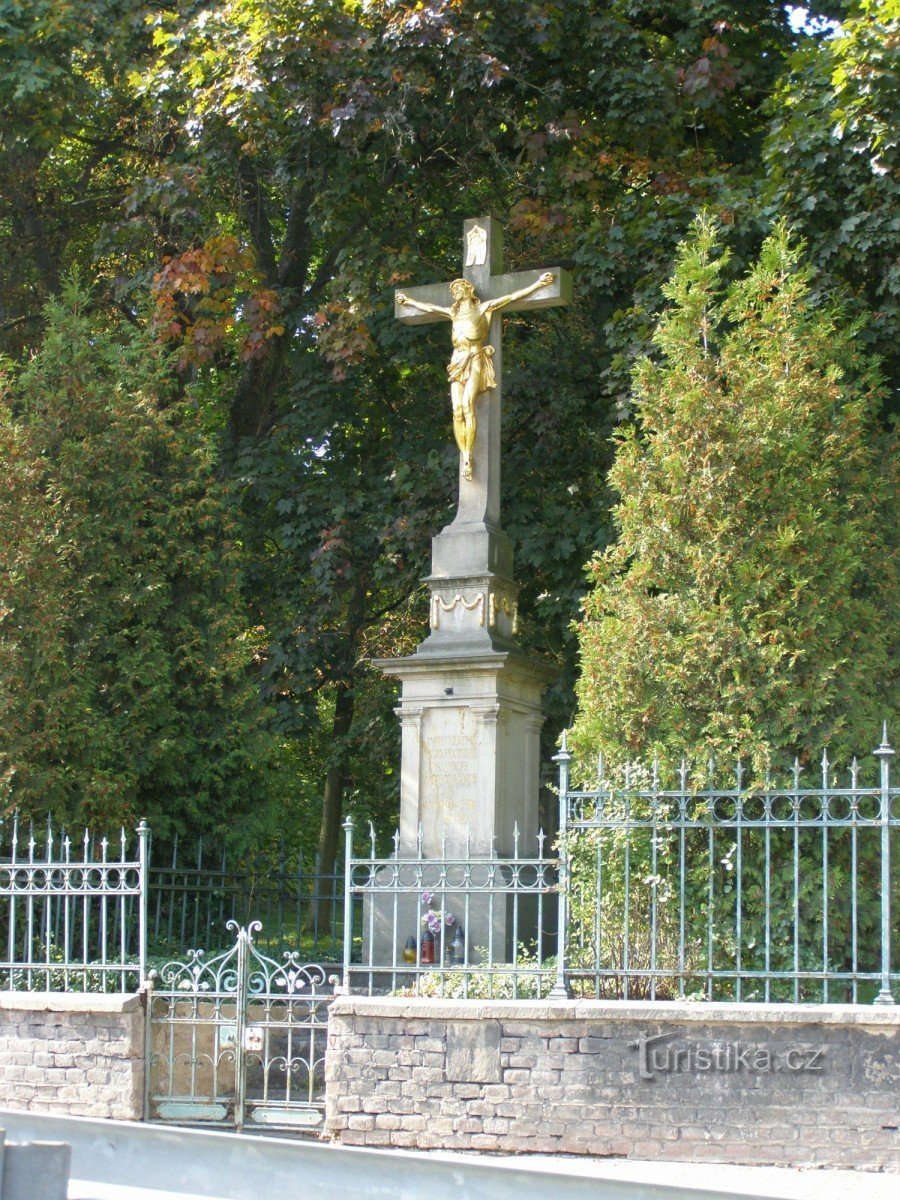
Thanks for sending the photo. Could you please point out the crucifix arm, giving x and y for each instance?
(501, 302)
(407, 302)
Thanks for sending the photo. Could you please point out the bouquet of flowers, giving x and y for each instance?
(435, 919)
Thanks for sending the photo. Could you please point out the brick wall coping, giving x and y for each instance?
(70, 1002)
(883, 1016)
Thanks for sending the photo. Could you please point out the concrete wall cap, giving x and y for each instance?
(698, 1012)
(70, 1002)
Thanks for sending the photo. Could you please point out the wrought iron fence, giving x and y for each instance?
(72, 913)
(196, 890)
(662, 889)
(454, 927)
(783, 892)
(776, 893)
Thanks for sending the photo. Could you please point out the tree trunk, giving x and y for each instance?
(318, 919)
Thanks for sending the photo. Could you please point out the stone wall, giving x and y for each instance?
(80, 1054)
(774, 1084)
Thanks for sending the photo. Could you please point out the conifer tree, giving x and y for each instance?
(124, 689)
(747, 606)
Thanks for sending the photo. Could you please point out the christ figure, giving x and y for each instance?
(471, 371)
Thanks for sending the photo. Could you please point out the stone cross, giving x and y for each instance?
(479, 497)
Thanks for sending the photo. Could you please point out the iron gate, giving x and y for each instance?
(237, 1038)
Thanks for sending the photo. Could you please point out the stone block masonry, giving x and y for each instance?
(81, 1054)
(783, 1085)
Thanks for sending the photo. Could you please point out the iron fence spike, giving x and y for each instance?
(563, 756)
(884, 750)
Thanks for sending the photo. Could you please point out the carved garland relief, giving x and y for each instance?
(503, 604)
(496, 605)
(438, 604)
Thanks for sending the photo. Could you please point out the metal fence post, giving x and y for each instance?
(147, 998)
(348, 903)
(143, 832)
(884, 754)
(560, 991)
(241, 1014)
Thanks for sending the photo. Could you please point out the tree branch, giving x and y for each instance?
(254, 204)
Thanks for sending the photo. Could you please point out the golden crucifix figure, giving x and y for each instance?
(471, 371)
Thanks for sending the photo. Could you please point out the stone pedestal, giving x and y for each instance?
(470, 706)
(470, 752)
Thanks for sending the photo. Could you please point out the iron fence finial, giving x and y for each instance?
(885, 750)
(563, 755)
(683, 773)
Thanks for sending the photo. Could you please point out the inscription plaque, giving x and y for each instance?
(449, 750)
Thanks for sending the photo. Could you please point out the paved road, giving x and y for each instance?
(773, 1182)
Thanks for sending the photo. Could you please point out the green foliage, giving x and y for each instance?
(832, 161)
(68, 148)
(526, 978)
(124, 687)
(747, 605)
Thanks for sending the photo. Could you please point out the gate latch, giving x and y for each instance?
(254, 1039)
